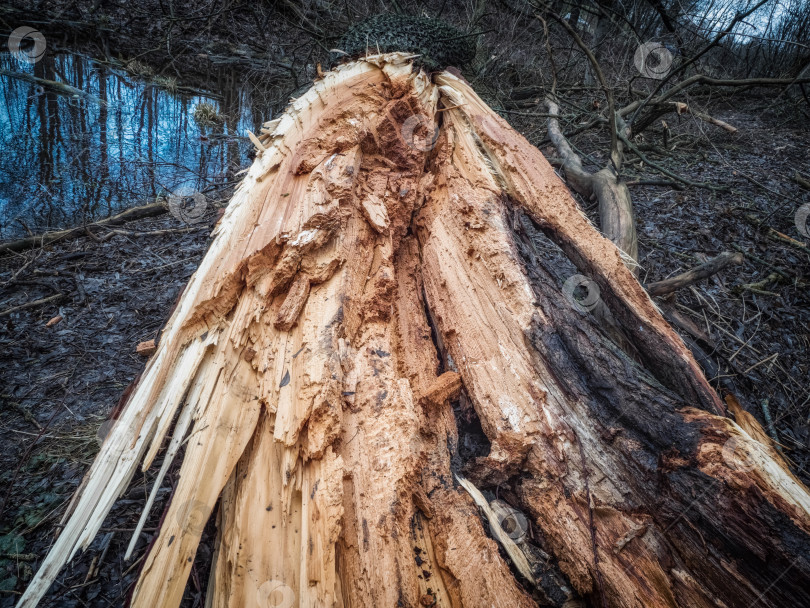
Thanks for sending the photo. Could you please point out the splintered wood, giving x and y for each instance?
(366, 276)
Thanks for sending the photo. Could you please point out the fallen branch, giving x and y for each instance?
(31, 304)
(7, 402)
(683, 108)
(655, 182)
(134, 213)
(53, 85)
(660, 109)
(666, 171)
(135, 233)
(698, 273)
(775, 234)
(657, 106)
(615, 205)
(758, 287)
(765, 263)
(803, 182)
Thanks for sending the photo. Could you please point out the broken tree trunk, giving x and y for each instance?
(389, 276)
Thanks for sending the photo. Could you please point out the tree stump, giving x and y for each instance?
(384, 378)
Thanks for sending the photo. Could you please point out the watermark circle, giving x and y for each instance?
(275, 594)
(411, 127)
(512, 521)
(198, 513)
(592, 292)
(188, 209)
(652, 60)
(77, 102)
(104, 430)
(33, 52)
(737, 455)
(801, 217)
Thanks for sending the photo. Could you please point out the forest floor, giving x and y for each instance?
(59, 383)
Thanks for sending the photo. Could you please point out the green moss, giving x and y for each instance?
(439, 44)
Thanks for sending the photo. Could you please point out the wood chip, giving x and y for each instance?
(375, 212)
(444, 388)
(293, 303)
(146, 349)
(256, 142)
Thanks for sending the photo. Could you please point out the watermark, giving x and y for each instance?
(512, 521)
(416, 124)
(738, 456)
(27, 44)
(275, 594)
(192, 516)
(336, 175)
(104, 430)
(77, 101)
(653, 60)
(582, 293)
(188, 209)
(801, 217)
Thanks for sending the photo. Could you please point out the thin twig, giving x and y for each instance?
(32, 304)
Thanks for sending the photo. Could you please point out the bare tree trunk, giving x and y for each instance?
(301, 373)
(615, 205)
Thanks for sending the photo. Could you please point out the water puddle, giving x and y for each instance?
(82, 140)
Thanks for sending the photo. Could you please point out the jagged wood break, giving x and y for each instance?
(299, 376)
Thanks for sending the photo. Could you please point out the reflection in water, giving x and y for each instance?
(67, 159)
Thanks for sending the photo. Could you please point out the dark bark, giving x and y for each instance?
(703, 523)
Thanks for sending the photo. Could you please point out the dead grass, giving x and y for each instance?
(207, 115)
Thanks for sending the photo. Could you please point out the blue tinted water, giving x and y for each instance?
(66, 159)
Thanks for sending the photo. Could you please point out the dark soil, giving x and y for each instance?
(60, 384)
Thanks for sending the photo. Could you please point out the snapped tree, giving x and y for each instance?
(391, 272)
